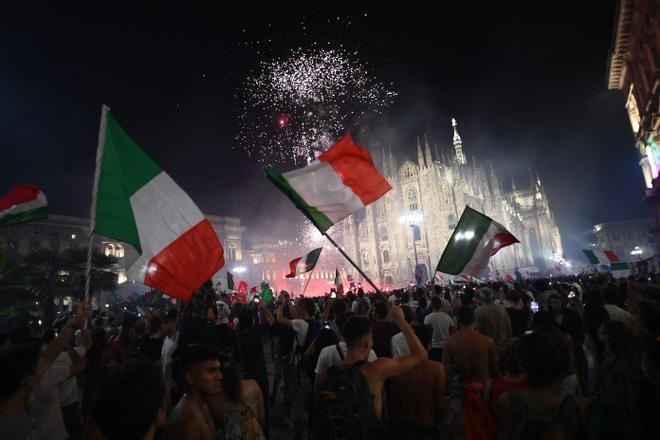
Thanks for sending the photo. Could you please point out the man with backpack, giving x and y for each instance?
(350, 400)
(306, 329)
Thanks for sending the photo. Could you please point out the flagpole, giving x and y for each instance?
(92, 214)
(307, 282)
(351, 261)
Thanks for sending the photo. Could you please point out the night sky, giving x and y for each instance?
(527, 86)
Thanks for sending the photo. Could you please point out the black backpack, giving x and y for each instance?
(313, 330)
(345, 408)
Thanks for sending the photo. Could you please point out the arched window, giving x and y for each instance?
(386, 256)
(365, 258)
(451, 221)
(383, 233)
(412, 199)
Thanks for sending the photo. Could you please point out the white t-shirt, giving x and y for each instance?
(300, 327)
(618, 314)
(169, 345)
(69, 388)
(441, 323)
(400, 346)
(330, 357)
(45, 405)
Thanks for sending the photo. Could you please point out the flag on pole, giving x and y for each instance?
(136, 202)
(338, 284)
(333, 186)
(236, 284)
(266, 294)
(23, 204)
(476, 238)
(303, 264)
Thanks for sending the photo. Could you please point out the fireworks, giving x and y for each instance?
(297, 107)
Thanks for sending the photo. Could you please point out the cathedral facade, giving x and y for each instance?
(400, 237)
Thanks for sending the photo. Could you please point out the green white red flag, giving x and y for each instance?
(476, 238)
(23, 204)
(339, 182)
(303, 264)
(136, 202)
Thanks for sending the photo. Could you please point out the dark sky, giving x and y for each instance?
(527, 85)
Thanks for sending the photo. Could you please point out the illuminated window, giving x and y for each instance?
(412, 199)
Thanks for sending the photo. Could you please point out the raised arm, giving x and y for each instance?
(280, 312)
(384, 368)
(60, 343)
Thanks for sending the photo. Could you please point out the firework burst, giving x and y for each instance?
(295, 108)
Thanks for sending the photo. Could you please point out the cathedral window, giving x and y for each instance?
(451, 221)
(365, 259)
(383, 233)
(412, 199)
(386, 256)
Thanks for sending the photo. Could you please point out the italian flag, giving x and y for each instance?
(23, 204)
(333, 186)
(476, 238)
(236, 284)
(598, 257)
(136, 202)
(303, 264)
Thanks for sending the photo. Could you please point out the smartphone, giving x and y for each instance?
(257, 300)
(333, 295)
(534, 306)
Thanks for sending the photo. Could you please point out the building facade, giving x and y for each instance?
(59, 232)
(634, 68)
(630, 240)
(400, 237)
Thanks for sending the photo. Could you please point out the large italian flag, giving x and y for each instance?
(138, 203)
(599, 257)
(303, 264)
(476, 238)
(596, 256)
(333, 186)
(23, 204)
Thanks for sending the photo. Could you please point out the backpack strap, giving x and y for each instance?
(341, 355)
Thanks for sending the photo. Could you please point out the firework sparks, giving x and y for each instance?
(295, 108)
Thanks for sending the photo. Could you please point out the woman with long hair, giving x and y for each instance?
(238, 410)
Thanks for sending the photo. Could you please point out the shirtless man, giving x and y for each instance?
(201, 377)
(357, 333)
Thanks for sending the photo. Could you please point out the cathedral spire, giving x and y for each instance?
(458, 144)
(420, 156)
(427, 152)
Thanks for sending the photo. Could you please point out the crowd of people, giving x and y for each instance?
(562, 358)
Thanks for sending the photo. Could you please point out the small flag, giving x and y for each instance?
(336, 184)
(476, 238)
(236, 284)
(303, 264)
(136, 202)
(23, 204)
(266, 294)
